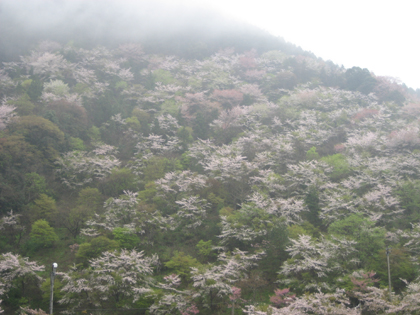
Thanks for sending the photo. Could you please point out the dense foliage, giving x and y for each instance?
(249, 182)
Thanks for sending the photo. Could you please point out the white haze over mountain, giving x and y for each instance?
(369, 34)
(378, 35)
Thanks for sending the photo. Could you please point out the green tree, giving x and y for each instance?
(95, 248)
(43, 207)
(34, 186)
(76, 144)
(23, 104)
(370, 239)
(181, 264)
(143, 117)
(409, 196)
(118, 181)
(75, 219)
(312, 154)
(17, 157)
(42, 234)
(401, 267)
(274, 247)
(295, 230)
(312, 202)
(185, 135)
(42, 133)
(125, 238)
(46, 293)
(16, 153)
(133, 123)
(358, 79)
(338, 162)
(34, 89)
(89, 201)
(156, 167)
(201, 123)
(94, 134)
(171, 107)
(90, 198)
(70, 118)
(163, 76)
(205, 250)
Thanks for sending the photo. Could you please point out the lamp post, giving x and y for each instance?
(389, 273)
(53, 270)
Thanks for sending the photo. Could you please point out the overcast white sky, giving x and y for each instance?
(379, 35)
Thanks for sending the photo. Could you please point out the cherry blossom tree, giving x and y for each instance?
(127, 212)
(215, 281)
(227, 165)
(235, 297)
(255, 220)
(171, 303)
(48, 46)
(411, 110)
(85, 76)
(78, 168)
(410, 238)
(192, 211)
(369, 197)
(248, 60)
(181, 182)
(390, 89)
(214, 73)
(229, 118)
(409, 303)
(173, 300)
(253, 91)
(119, 212)
(336, 303)
(197, 103)
(303, 175)
(18, 272)
(247, 224)
(320, 260)
(228, 98)
(6, 113)
(46, 64)
(158, 145)
(374, 300)
(282, 297)
(57, 90)
(132, 52)
(11, 226)
(406, 138)
(6, 83)
(32, 312)
(110, 280)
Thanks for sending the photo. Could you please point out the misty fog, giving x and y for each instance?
(159, 26)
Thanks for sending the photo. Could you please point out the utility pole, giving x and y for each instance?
(54, 268)
(389, 272)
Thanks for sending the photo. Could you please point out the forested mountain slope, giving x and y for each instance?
(260, 179)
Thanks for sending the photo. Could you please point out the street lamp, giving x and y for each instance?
(389, 272)
(53, 270)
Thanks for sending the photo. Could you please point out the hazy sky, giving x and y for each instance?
(379, 35)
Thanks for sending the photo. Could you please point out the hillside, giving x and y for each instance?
(254, 175)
